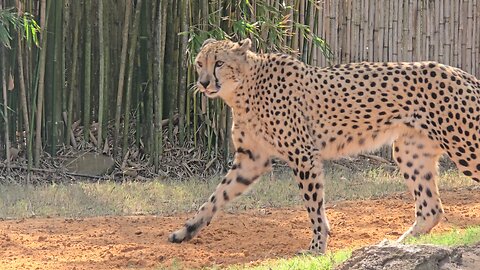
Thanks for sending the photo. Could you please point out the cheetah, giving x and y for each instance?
(303, 115)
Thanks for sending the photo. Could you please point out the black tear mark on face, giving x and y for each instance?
(217, 82)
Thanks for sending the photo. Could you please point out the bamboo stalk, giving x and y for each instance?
(454, 51)
(87, 73)
(121, 75)
(58, 83)
(348, 34)
(65, 54)
(439, 31)
(5, 106)
(468, 36)
(371, 31)
(23, 92)
(41, 83)
(444, 34)
(109, 104)
(460, 46)
(101, 84)
(131, 61)
(183, 62)
(313, 52)
(159, 53)
(473, 35)
(150, 102)
(417, 38)
(380, 25)
(74, 75)
(171, 65)
(408, 41)
(305, 17)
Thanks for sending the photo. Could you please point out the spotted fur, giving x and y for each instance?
(283, 108)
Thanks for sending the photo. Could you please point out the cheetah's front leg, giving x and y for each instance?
(247, 167)
(311, 184)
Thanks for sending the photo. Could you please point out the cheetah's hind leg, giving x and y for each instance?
(417, 157)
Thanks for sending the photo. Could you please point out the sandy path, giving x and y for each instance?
(140, 241)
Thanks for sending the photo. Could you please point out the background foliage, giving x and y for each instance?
(116, 77)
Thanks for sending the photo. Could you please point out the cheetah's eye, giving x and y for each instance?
(219, 63)
(199, 64)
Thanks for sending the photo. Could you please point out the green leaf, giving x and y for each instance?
(5, 36)
(10, 20)
(323, 45)
(26, 28)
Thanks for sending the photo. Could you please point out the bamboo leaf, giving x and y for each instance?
(5, 36)
(26, 28)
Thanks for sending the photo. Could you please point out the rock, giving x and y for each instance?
(91, 164)
(394, 256)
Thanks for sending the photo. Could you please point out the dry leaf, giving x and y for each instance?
(11, 82)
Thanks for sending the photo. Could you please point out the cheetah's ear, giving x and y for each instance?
(207, 41)
(244, 45)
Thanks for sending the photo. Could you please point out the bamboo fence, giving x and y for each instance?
(410, 30)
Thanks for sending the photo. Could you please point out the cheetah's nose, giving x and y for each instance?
(204, 83)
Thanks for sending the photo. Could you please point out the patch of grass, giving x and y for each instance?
(102, 198)
(176, 265)
(166, 197)
(453, 179)
(468, 236)
(373, 183)
(306, 262)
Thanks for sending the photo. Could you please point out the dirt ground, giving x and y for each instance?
(250, 236)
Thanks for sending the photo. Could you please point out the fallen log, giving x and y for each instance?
(23, 168)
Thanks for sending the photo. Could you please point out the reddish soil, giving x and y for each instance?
(251, 236)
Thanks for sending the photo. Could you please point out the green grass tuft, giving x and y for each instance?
(306, 262)
(467, 237)
(457, 237)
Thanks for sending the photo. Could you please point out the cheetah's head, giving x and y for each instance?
(220, 66)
